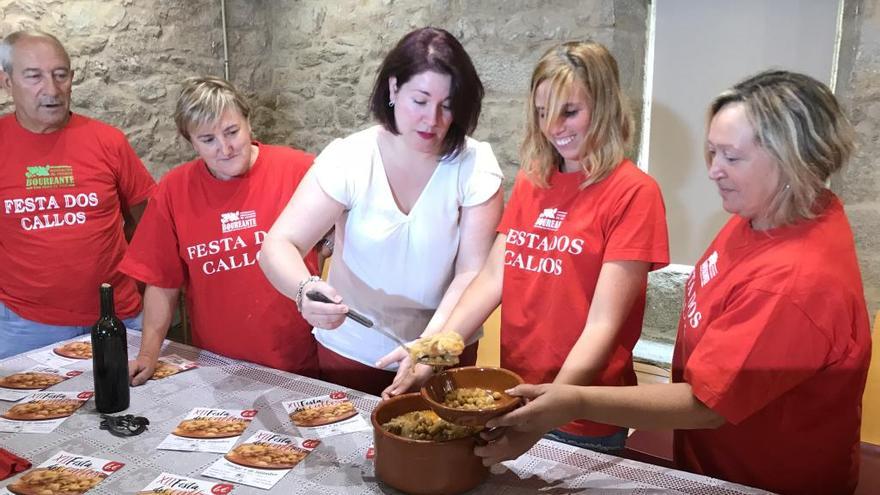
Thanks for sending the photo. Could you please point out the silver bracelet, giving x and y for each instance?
(302, 286)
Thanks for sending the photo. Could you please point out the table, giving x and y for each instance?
(338, 466)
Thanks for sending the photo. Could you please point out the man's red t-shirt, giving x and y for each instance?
(203, 234)
(774, 336)
(61, 237)
(557, 240)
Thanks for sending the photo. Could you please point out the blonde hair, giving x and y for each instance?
(799, 123)
(592, 66)
(203, 100)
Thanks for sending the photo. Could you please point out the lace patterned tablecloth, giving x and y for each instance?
(338, 466)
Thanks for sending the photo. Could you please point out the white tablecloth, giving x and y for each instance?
(338, 465)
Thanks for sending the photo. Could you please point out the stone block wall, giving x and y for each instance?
(308, 66)
(858, 87)
(323, 57)
(129, 59)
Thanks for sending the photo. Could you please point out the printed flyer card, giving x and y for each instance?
(171, 365)
(64, 473)
(208, 430)
(42, 412)
(262, 460)
(172, 484)
(76, 353)
(17, 386)
(325, 416)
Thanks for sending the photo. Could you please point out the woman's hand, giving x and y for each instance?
(548, 406)
(323, 315)
(406, 379)
(141, 369)
(504, 444)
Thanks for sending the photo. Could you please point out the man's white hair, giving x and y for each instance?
(9, 42)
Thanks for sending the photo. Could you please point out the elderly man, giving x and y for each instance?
(67, 184)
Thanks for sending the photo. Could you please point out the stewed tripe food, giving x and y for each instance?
(472, 398)
(426, 425)
(439, 349)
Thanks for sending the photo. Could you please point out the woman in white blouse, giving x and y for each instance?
(415, 203)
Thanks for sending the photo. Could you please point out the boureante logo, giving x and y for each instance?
(238, 220)
(48, 176)
(550, 219)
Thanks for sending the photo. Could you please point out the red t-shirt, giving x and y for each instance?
(203, 234)
(61, 198)
(774, 336)
(557, 240)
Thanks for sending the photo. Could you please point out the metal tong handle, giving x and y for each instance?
(363, 320)
(354, 315)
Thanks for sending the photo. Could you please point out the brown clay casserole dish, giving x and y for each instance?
(423, 467)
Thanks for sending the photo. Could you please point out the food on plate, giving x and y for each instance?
(426, 425)
(439, 349)
(75, 350)
(42, 409)
(324, 414)
(472, 398)
(30, 380)
(266, 455)
(56, 481)
(210, 427)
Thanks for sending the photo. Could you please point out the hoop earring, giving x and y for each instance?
(391, 103)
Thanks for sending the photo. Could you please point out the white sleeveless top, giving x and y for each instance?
(395, 267)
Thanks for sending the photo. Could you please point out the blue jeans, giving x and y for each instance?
(18, 335)
(609, 444)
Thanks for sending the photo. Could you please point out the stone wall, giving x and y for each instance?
(129, 58)
(308, 66)
(859, 184)
(324, 56)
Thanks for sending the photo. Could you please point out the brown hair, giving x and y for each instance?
(592, 66)
(799, 123)
(432, 49)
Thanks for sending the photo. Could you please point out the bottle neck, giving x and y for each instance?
(107, 308)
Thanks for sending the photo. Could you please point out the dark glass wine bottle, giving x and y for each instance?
(110, 357)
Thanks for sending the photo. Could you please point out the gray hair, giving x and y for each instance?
(9, 42)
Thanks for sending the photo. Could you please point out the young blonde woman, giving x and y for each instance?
(581, 231)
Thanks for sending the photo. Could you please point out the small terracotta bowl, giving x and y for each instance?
(423, 467)
(495, 379)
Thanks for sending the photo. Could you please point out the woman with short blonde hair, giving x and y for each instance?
(781, 106)
(205, 99)
(202, 231)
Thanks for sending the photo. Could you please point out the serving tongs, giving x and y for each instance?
(436, 364)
